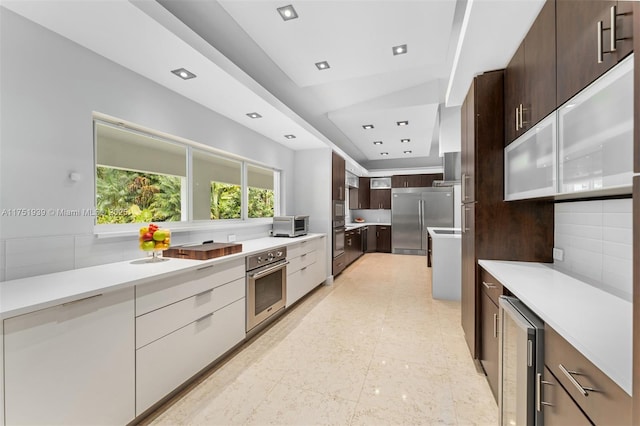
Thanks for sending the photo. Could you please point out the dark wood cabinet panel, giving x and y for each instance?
(514, 95)
(489, 345)
(636, 79)
(577, 42)
(354, 198)
(493, 229)
(540, 66)
(380, 199)
(339, 263)
(372, 239)
(468, 303)
(415, 181)
(338, 175)
(559, 409)
(364, 193)
(383, 235)
(610, 405)
(636, 292)
(530, 77)
(468, 156)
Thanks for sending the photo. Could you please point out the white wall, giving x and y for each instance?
(596, 237)
(449, 129)
(312, 193)
(50, 87)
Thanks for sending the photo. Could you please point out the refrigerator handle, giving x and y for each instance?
(420, 208)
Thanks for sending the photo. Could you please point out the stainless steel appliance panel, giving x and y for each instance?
(338, 241)
(521, 360)
(406, 222)
(415, 209)
(266, 286)
(338, 213)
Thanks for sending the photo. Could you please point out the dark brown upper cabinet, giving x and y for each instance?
(380, 199)
(338, 174)
(530, 77)
(359, 197)
(414, 181)
(580, 25)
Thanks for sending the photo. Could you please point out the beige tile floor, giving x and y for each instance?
(372, 349)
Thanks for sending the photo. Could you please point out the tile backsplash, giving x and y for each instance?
(596, 237)
(26, 257)
(373, 215)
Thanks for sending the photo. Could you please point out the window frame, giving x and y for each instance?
(187, 195)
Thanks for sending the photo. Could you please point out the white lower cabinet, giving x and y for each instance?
(168, 362)
(307, 270)
(72, 364)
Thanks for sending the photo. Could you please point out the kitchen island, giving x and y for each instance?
(445, 252)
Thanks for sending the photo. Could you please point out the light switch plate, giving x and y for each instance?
(231, 238)
(558, 254)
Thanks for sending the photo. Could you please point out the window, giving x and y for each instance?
(141, 177)
(260, 183)
(138, 178)
(217, 187)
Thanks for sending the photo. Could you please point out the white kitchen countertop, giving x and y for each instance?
(431, 231)
(356, 225)
(596, 323)
(30, 294)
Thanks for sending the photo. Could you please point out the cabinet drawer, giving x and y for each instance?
(301, 261)
(299, 284)
(607, 404)
(164, 292)
(301, 248)
(491, 286)
(158, 323)
(167, 363)
(557, 406)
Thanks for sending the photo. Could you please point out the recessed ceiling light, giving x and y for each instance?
(399, 50)
(377, 142)
(405, 140)
(254, 115)
(184, 74)
(324, 65)
(384, 153)
(290, 136)
(402, 123)
(407, 152)
(287, 12)
(367, 126)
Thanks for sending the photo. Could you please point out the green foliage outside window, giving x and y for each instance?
(125, 196)
(260, 202)
(226, 201)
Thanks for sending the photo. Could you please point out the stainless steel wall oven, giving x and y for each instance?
(266, 285)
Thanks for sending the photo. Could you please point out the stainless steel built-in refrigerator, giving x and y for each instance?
(415, 209)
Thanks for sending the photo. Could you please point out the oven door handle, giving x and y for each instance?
(258, 275)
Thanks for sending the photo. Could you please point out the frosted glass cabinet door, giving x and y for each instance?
(530, 162)
(596, 134)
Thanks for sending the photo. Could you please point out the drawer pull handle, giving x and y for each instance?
(210, 314)
(583, 390)
(205, 267)
(495, 326)
(303, 268)
(488, 286)
(82, 300)
(204, 292)
(303, 255)
(539, 401)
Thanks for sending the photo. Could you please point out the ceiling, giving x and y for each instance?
(243, 51)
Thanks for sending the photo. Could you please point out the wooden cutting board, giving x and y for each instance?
(203, 251)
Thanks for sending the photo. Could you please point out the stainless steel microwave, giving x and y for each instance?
(290, 226)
